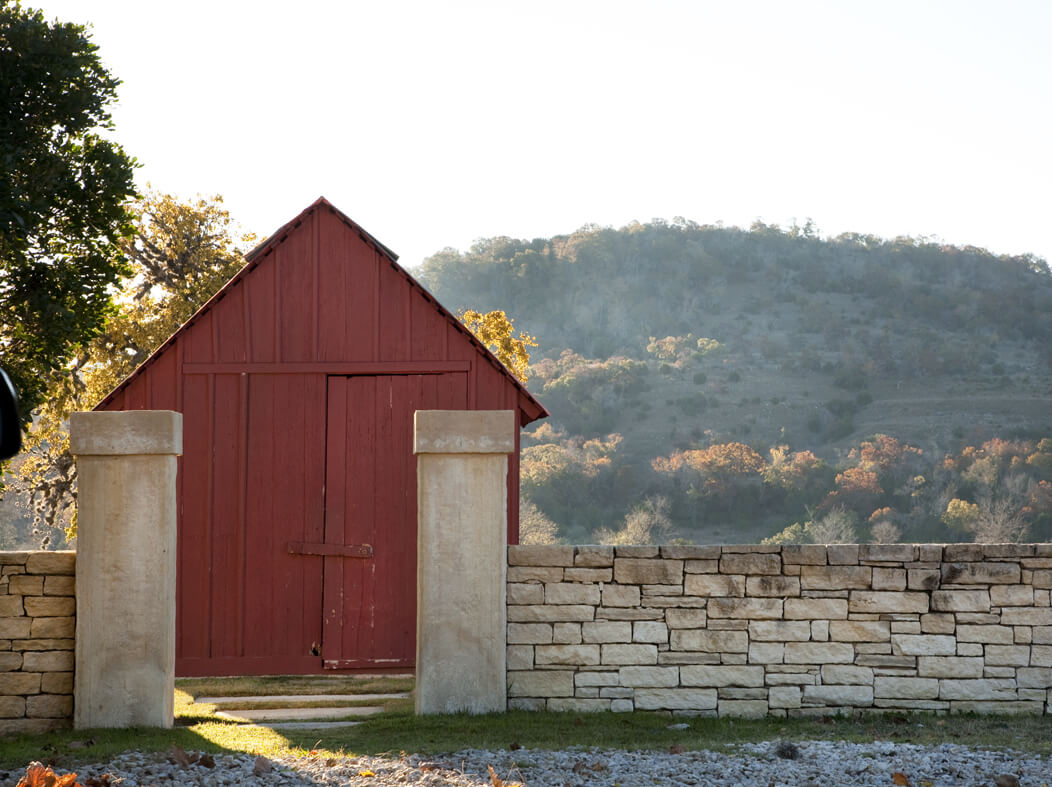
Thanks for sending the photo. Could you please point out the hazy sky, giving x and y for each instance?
(435, 123)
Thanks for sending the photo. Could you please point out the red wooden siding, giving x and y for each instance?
(282, 380)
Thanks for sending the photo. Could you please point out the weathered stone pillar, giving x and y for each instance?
(125, 662)
(462, 502)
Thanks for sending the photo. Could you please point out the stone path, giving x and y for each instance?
(315, 717)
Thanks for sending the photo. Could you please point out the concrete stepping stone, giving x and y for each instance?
(232, 701)
(292, 714)
(306, 725)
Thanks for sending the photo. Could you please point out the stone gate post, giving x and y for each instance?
(462, 504)
(125, 651)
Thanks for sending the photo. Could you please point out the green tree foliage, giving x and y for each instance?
(181, 253)
(63, 191)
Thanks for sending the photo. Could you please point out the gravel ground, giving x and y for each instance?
(772, 764)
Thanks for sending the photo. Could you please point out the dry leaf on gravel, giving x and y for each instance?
(38, 775)
(900, 779)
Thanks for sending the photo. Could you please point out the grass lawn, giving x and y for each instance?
(398, 730)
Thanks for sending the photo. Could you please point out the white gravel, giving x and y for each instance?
(815, 764)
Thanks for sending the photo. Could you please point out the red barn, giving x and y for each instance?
(297, 486)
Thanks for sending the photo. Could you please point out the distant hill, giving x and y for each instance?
(680, 340)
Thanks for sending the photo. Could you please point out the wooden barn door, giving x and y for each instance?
(369, 595)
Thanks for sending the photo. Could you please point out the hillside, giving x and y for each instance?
(662, 344)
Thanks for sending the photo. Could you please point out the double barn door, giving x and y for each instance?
(369, 551)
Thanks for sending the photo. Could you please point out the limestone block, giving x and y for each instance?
(742, 709)
(15, 628)
(937, 623)
(654, 632)
(534, 574)
(906, 688)
(20, 682)
(816, 609)
(714, 585)
(56, 683)
(541, 683)
(1008, 655)
(907, 704)
(594, 556)
(998, 635)
(675, 699)
(525, 593)
(1036, 562)
(705, 641)
(780, 630)
(842, 554)
(772, 586)
(923, 645)
(571, 593)
(642, 571)
(699, 675)
(728, 624)
(1035, 708)
(49, 606)
(588, 692)
(44, 644)
(835, 577)
(62, 563)
(9, 662)
(540, 555)
(520, 657)
(620, 596)
(701, 566)
(650, 677)
(869, 648)
(629, 654)
(838, 696)
(804, 554)
(784, 696)
(819, 653)
(49, 706)
(981, 689)
(14, 559)
(1042, 579)
(48, 661)
(26, 585)
(529, 633)
(578, 704)
(883, 663)
(589, 679)
(887, 553)
(889, 579)
(607, 631)
(566, 655)
(670, 658)
(1011, 595)
(660, 590)
(53, 627)
(980, 573)
(950, 667)
(1008, 550)
(12, 707)
(1012, 616)
(968, 553)
(588, 574)
(1041, 656)
(696, 618)
(752, 549)
(636, 551)
(550, 613)
(1034, 677)
(748, 608)
(1040, 635)
(960, 600)
(820, 630)
(11, 606)
(887, 601)
(622, 706)
(969, 649)
(1022, 635)
(859, 630)
(923, 578)
(978, 618)
(527, 703)
(732, 693)
(847, 674)
(690, 552)
(750, 563)
(1033, 694)
(59, 586)
(566, 634)
(628, 613)
(791, 678)
(766, 652)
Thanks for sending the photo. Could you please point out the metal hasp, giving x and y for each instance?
(330, 550)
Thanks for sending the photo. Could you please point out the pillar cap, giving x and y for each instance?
(464, 432)
(131, 432)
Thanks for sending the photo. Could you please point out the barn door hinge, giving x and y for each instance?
(330, 550)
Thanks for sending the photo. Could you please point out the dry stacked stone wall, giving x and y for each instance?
(37, 625)
(780, 630)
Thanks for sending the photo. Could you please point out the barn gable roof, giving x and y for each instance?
(529, 406)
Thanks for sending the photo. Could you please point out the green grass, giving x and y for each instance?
(397, 731)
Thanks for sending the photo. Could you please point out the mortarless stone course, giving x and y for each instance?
(37, 622)
(738, 630)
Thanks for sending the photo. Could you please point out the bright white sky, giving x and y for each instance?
(433, 123)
